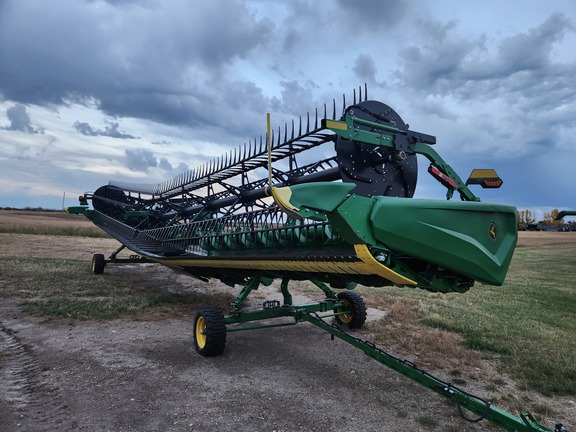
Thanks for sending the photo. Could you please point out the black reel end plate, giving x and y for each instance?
(376, 170)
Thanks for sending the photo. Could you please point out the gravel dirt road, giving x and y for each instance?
(143, 374)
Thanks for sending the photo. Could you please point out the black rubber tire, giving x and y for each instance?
(98, 263)
(209, 332)
(356, 318)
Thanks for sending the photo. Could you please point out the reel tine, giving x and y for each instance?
(285, 131)
(360, 91)
(365, 92)
(278, 143)
(354, 96)
(308, 122)
(343, 103)
(334, 112)
(300, 127)
(316, 119)
(292, 137)
(324, 111)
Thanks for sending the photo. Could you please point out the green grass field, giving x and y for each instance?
(529, 323)
(65, 288)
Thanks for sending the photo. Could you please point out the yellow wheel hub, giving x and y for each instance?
(201, 332)
(347, 317)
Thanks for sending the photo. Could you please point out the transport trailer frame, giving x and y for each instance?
(349, 310)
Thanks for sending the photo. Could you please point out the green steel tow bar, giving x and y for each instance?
(462, 399)
(331, 307)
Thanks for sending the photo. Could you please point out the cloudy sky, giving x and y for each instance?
(141, 90)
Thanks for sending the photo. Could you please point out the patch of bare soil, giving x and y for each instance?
(143, 374)
(542, 238)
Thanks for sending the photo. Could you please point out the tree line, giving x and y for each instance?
(527, 220)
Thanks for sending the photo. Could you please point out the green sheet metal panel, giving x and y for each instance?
(474, 239)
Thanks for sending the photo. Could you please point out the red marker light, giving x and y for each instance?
(442, 178)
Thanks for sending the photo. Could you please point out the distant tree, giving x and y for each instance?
(550, 219)
(526, 217)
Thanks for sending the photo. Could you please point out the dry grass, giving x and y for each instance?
(543, 238)
(401, 330)
(47, 223)
(51, 274)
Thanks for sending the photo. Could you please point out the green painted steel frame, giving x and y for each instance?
(275, 310)
(132, 259)
(309, 313)
(351, 132)
(524, 423)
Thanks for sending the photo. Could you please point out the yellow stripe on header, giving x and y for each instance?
(332, 124)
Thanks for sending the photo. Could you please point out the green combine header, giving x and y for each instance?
(327, 199)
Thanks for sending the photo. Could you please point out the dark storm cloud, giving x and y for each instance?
(295, 98)
(449, 64)
(140, 159)
(20, 120)
(368, 14)
(165, 165)
(365, 68)
(85, 129)
(143, 159)
(135, 58)
(109, 131)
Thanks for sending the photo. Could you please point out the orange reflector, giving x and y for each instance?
(491, 183)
